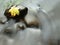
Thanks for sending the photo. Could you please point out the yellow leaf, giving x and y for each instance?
(14, 11)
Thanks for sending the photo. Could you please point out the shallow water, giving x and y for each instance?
(50, 21)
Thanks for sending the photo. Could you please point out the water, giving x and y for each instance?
(47, 35)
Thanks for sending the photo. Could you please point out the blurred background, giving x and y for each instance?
(49, 16)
